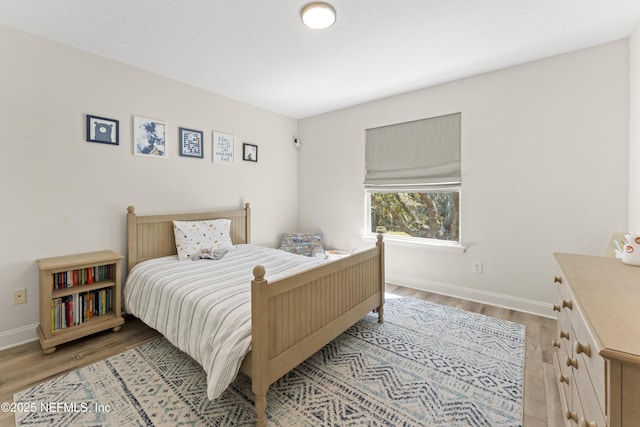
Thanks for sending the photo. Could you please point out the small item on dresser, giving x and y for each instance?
(631, 252)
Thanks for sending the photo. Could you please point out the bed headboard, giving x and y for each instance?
(152, 236)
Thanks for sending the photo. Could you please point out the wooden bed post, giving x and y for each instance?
(380, 244)
(259, 343)
(132, 247)
(247, 209)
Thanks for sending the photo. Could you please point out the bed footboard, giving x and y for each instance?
(294, 317)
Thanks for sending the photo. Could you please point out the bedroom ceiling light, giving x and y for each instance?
(318, 15)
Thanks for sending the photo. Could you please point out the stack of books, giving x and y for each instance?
(75, 309)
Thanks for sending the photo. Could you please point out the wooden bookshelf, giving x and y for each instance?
(79, 296)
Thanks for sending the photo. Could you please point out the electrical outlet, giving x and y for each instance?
(19, 296)
(477, 267)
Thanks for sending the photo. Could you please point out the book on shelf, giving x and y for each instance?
(72, 310)
(81, 276)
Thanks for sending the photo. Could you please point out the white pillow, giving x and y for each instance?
(192, 236)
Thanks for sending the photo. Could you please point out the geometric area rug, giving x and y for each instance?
(427, 365)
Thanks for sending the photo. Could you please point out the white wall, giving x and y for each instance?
(545, 155)
(634, 131)
(544, 169)
(63, 195)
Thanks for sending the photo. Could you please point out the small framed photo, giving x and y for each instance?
(191, 143)
(249, 152)
(149, 137)
(223, 148)
(103, 130)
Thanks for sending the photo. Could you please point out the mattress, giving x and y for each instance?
(204, 307)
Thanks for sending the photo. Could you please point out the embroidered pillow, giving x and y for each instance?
(302, 243)
(193, 236)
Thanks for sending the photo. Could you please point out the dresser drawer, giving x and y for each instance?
(565, 378)
(591, 406)
(565, 332)
(575, 410)
(563, 291)
(590, 363)
(564, 389)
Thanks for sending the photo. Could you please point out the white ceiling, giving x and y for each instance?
(258, 51)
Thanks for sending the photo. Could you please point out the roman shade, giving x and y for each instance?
(421, 152)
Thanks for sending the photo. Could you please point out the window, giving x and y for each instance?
(412, 181)
(424, 214)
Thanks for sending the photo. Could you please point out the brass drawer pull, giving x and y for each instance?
(571, 415)
(563, 379)
(557, 279)
(572, 362)
(564, 334)
(556, 307)
(567, 304)
(555, 343)
(583, 348)
(585, 423)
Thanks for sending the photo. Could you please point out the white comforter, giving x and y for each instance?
(204, 307)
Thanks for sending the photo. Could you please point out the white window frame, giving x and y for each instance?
(445, 245)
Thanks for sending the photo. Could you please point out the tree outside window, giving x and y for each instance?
(417, 214)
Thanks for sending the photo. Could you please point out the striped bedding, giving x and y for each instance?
(204, 307)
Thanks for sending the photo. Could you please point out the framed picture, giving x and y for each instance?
(149, 137)
(223, 148)
(103, 130)
(249, 152)
(191, 143)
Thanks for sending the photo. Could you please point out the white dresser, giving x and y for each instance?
(597, 346)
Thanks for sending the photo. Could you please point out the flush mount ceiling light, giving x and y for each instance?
(318, 15)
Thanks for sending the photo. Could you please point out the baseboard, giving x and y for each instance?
(18, 336)
(491, 298)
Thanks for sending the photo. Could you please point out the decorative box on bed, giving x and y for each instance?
(292, 315)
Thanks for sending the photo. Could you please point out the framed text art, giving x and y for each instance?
(149, 137)
(103, 130)
(249, 152)
(223, 148)
(191, 143)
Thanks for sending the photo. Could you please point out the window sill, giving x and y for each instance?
(455, 247)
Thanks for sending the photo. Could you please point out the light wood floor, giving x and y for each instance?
(25, 365)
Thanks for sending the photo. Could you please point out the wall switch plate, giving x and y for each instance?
(19, 296)
(477, 267)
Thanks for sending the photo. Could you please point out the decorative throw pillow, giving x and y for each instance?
(302, 243)
(194, 236)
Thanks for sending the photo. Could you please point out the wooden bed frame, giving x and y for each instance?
(291, 318)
